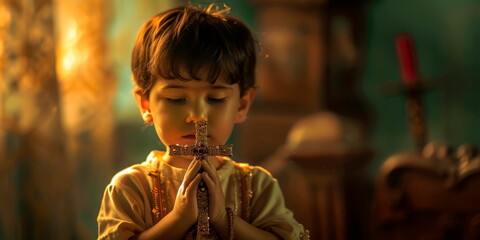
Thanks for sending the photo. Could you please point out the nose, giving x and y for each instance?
(198, 112)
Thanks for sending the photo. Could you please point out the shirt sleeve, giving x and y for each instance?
(268, 207)
(120, 216)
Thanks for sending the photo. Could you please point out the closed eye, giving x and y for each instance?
(216, 100)
(176, 100)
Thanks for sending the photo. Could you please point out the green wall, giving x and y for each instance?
(446, 34)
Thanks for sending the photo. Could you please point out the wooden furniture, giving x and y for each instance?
(429, 195)
(321, 172)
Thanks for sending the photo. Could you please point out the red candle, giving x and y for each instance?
(407, 58)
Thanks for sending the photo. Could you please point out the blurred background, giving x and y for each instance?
(333, 105)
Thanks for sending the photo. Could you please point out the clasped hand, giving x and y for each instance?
(186, 201)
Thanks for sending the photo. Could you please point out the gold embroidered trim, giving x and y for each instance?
(246, 191)
(157, 210)
(238, 190)
(160, 195)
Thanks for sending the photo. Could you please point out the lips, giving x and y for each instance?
(191, 136)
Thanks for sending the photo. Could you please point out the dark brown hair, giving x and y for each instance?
(187, 40)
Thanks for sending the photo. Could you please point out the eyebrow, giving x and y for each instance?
(171, 86)
(221, 87)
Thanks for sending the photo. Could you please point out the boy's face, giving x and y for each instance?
(176, 105)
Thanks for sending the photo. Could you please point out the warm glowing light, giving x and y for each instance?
(68, 54)
(71, 33)
(4, 16)
(69, 60)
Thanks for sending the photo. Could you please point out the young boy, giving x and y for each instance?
(191, 65)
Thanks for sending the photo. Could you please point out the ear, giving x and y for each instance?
(142, 101)
(244, 106)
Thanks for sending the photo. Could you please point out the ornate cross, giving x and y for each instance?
(201, 150)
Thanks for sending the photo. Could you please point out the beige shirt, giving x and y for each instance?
(127, 204)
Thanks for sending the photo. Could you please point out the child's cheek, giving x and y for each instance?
(225, 115)
(173, 115)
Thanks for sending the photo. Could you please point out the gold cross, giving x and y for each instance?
(201, 150)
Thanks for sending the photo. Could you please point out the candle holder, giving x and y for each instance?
(413, 93)
(412, 87)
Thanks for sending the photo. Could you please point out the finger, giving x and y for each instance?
(192, 171)
(192, 188)
(211, 172)
(191, 164)
(209, 181)
(194, 166)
